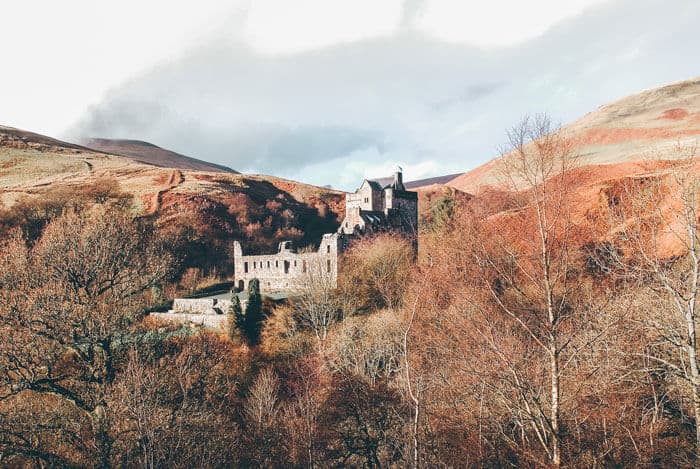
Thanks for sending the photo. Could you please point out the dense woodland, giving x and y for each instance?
(525, 334)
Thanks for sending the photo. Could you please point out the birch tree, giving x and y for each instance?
(537, 316)
(654, 226)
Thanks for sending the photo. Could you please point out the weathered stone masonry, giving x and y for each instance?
(285, 269)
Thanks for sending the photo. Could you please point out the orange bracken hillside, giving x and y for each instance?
(644, 126)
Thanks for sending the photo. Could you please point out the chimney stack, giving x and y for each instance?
(398, 179)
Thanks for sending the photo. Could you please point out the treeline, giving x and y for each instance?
(536, 329)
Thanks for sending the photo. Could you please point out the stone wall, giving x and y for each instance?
(217, 321)
(208, 312)
(407, 205)
(287, 270)
(211, 306)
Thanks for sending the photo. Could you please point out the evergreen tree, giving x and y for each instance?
(235, 316)
(252, 320)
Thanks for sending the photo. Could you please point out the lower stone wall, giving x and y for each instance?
(216, 321)
(211, 306)
(208, 312)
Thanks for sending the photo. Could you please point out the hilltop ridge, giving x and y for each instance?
(146, 152)
(639, 127)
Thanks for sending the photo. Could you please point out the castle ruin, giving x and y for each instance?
(376, 206)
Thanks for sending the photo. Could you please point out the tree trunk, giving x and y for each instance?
(554, 369)
(696, 408)
(694, 382)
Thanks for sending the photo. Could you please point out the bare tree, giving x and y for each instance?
(133, 397)
(375, 271)
(65, 303)
(531, 270)
(368, 346)
(302, 413)
(656, 232)
(261, 410)
(318, 305)
(262, 404)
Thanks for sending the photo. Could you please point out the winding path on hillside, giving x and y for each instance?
(176, 178)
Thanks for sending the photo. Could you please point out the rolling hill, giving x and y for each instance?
(149, 153)
(644, 126)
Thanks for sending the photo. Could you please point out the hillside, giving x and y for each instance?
(149, 153)
(644, 126)
(40, 176)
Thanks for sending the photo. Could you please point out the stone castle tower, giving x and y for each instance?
(378, 205)
(381, 205)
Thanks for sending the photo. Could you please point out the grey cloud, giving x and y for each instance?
(268, 148)
(401, 99)
(469, 96)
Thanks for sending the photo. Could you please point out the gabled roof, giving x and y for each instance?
(382, 182)
(374, 184)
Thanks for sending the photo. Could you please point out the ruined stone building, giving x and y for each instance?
(376, 206)
(285, 269)
(381, 205)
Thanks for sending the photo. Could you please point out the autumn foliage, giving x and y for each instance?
(535, 328)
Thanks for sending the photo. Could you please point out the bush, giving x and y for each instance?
(374, 273)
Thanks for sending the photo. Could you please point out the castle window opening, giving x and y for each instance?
(268, 264)
(328, 249)
(366, 199)
(241, 284)
(277, 264)
(245, 267)
(295, 263)
(303, 267)
(286, 267)
(328, 265)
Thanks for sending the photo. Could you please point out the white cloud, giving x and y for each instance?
(495, 23)
(60, 56)
(275, 27)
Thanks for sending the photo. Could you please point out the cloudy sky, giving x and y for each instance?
(329, 91)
